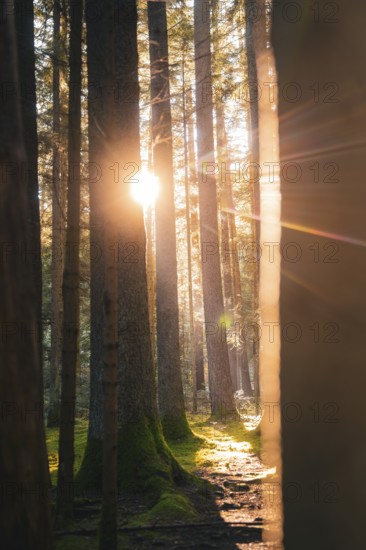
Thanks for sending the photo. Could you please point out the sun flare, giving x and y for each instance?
(145, 189)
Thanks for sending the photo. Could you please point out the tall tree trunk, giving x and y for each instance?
(53, 413)
(242, 349)
(71, 276)
(24, 23)
(108, 522)
(230, 261)
(192, 354)
(151, 260)
(227, 258)
(198, 356)
(150, 268)
(25, 520)
(197, 300)
(90, 473)
(170, 388)
(322, 134)
(268, 186)
(218, 362)
(253, 13)
(255, 45)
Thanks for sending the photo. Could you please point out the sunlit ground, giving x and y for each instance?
(227, 447)
(220, 446)
(81, 429)
(223, 453)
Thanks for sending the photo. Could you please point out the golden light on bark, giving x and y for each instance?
(270, 274)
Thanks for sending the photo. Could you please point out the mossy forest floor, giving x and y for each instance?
(226, 511)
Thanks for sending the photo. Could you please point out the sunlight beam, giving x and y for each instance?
(145, 189)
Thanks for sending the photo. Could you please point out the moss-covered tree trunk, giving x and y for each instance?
(220, 384)
(25, 519)
(144, 460)
(170, 387)
(71, 277)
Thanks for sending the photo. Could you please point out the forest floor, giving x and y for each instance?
(230, 513)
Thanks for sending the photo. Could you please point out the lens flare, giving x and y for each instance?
(145, 188)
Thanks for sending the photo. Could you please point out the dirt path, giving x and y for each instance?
(238, 508)
(231, 517)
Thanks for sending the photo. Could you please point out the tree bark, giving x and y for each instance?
(230, 261)
(25, 520)
(71, 276)
(53, 413)
(198, 356)
(108, 522)
(90, 473)
(255, 45)
(151, 278)
(144, 460)
(197, 298)
(323, 213)
(242, 348)
(170, 388)
(218, 362)
(254, 23)
(24, 23)
(227, 259)
(192, 354)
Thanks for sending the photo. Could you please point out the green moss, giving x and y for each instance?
(215, 442)
(163, 475)
(143, 454)
(171, 506)
(72, 542)
(89, 476)
(185, 450)
(237, 431)
(146, 464)
(176, 428)
(145, 461)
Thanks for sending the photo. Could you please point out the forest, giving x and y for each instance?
(182, 297)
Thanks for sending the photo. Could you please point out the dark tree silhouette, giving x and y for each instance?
(25, 518)
(90, 472)
(108, 522)
(58, 196)
(71, 276)
(24, 24)
(323, 372)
